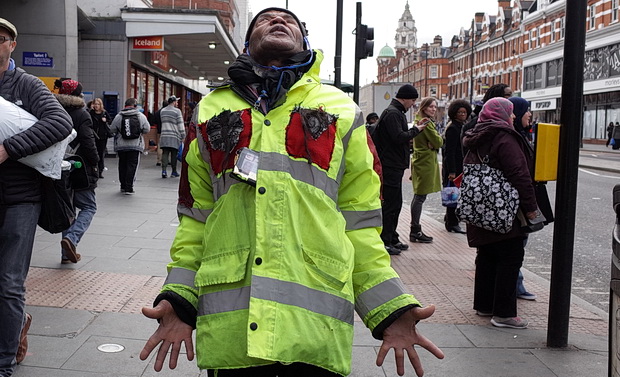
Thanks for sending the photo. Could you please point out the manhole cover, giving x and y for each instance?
(109, 348)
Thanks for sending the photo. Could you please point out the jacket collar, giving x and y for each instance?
(396, 103)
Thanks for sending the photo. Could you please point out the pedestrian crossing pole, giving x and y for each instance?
(338, 55)
(571, 119)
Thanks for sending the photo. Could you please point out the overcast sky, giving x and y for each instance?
(440, 17)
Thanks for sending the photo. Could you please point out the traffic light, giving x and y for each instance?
(364, 44)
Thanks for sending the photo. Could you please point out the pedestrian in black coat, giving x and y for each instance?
(101, 125)
(452, 153)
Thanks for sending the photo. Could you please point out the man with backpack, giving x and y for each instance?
(128, 127)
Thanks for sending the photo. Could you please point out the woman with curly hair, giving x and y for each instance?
(452, 161)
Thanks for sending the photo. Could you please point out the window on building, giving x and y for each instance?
(141, 88)
(592, 17)
(132, 83)
(531, 39)
(533, 77)
(538, 80)
(614, 10)
(562, 27)
(552, 73)
(529, 81)
(434, 71)
(433, 91)
(538, 36)
(553, 31)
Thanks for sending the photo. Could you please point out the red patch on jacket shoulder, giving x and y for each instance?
(311, 134)
(224, 135)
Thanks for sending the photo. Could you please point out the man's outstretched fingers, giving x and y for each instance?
(148, 348)
(189, 347)
(161, 356)
(399, 356)
(414, 359)
(430, 347)
(381, 355)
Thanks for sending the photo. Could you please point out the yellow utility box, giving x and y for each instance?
(547, 151)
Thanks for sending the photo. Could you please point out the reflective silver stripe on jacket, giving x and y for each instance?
(222, 184)
(224, 301)
(301, 171)
(283, 292)
(378, 295)
(181, 276)
(195, 213)
(362, 219)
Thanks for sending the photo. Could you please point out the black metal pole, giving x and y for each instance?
(472, 40)
(338, 56)
(571, 118)
(426, 73)
(356, 74)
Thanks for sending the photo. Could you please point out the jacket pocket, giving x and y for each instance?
(224, 268)
(327, 270)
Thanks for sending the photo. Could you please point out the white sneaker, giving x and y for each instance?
(513, 323)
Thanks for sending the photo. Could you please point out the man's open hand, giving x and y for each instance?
(170, 333)
(402, 335)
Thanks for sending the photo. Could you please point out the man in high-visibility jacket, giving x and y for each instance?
(280, 216)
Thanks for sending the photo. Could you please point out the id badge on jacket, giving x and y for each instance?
(246, 166)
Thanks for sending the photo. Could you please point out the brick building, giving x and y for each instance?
(543, 44)
(489, 52)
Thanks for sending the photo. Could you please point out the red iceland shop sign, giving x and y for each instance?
(154, 43)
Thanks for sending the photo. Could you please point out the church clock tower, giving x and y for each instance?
(406, 34)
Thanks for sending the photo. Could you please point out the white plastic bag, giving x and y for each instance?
(13, 120)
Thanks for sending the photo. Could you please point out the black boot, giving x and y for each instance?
(455, 229)
(416, 235)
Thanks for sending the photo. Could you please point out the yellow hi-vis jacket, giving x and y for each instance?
(276, 270)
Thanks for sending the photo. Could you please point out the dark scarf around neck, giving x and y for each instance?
(272, 85)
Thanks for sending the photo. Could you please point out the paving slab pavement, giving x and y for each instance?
(77, 308)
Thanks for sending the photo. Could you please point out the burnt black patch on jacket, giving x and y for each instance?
(311, 134)
(224, 135)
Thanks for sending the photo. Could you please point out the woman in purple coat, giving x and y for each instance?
(499, 256)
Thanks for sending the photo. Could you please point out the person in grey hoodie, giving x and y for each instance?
(172, 135)
(128, 150)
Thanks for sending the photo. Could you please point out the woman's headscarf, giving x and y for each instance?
(497, 111)
(520, 108)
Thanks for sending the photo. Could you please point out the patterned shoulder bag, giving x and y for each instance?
(487, 199)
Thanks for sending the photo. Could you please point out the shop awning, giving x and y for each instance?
(196, 43)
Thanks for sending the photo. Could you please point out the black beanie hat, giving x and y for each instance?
(407, 91)
(302, 26)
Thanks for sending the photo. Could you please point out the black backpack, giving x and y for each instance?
(130, 126)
